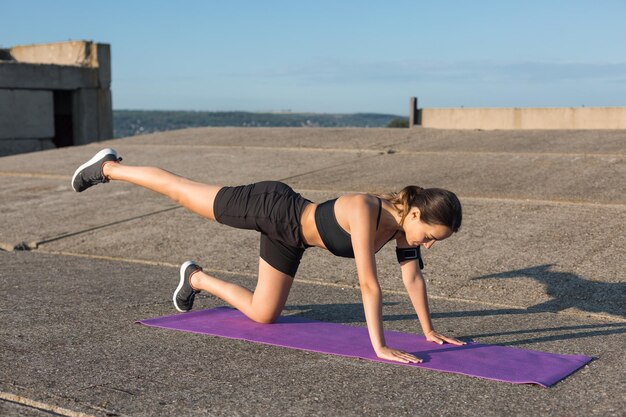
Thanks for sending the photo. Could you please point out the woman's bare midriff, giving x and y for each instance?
(308, 228)
(310, 235)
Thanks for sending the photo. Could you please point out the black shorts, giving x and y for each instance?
(269, 207)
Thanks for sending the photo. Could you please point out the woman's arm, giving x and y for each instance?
(416, 288)
(362, 232)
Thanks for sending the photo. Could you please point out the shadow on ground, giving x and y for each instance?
(353, 313)
(570, 291)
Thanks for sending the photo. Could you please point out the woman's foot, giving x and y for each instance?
(185, 294)
(90, 173)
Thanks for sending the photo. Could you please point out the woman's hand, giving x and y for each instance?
(433, 336)
(396, 355)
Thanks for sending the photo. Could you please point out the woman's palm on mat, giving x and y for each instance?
(433, 336)
(396, 355)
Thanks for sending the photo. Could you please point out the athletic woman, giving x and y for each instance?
(353, 225)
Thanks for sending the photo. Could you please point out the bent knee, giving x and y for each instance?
(264, 318)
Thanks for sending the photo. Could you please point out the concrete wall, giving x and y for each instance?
(47, 77)
(32, 78)
(26, 121)
(26, 114)
(525, 118)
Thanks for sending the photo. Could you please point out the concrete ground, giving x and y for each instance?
(538, 263)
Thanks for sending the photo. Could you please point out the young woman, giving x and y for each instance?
(353, 225)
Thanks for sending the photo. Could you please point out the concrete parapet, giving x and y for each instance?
(26, 114)
(525, 118)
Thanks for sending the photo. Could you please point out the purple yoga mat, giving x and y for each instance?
(499, 363)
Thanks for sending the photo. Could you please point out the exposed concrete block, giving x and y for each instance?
(47, 77)
(26, 114)
(61, 53)
(17, 146)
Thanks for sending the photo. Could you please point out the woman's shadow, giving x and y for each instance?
(571, 291)
(566, 289)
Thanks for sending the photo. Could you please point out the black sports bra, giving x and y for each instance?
(335, 238)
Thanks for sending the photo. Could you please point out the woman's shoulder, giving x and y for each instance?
(349, 205)
(358, 199)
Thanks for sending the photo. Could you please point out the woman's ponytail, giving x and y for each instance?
(436, 206)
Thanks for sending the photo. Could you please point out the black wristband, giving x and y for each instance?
(406, 254)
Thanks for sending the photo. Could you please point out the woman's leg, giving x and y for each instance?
(263, 305)
(267, 301)
(194, 196)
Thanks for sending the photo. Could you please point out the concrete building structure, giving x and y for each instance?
(563, 118)
(54, 95)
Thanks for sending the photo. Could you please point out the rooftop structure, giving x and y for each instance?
(54, 95)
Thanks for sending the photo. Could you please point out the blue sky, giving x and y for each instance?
(342, 56)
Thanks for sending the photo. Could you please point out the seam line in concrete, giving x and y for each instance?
(467, 197)
(344, 163)
(53, 409)
(498, 199)
(316, 190)
(546, 202)
(34, 244)
(322, 283)
(34, 175)
(406, 139)
(384, 149)
(37, 243)
(255, 147)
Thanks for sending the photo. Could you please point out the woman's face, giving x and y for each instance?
(420, 233)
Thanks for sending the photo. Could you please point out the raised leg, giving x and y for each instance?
(267, 301)
(264, 305)
(194, 196)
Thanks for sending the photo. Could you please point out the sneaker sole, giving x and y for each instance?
(181, 282)
(92, 161)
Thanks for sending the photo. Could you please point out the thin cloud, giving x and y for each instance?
(345, 71)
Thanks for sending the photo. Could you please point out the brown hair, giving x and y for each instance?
(436, 206)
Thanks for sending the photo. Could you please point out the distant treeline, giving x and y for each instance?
(137, 122)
